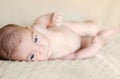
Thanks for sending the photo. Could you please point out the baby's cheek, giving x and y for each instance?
(43, 54)
(44, 51)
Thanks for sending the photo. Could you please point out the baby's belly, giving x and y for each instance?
(68, 43)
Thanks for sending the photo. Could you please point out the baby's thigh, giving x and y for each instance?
(91, 27)
(83, 28)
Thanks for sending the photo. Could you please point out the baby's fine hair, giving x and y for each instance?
(10, 38)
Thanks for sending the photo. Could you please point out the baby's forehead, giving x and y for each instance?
(25, 45)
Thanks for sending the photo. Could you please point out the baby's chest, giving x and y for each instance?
(72, 39)
(65, 42)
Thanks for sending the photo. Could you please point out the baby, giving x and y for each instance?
(51, 38)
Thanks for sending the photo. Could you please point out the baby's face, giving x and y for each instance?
(34, 47)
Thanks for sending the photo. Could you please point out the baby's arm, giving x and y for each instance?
(56, 19)
(48, 20)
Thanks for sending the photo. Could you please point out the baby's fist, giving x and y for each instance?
(57, 19)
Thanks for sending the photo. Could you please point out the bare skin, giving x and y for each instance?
(54, 39)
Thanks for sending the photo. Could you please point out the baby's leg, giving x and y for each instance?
(88, 51)
(87, 40)
(83, 29)
(97, 44)
(108, 33)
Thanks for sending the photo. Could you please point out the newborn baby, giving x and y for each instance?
(51, 38)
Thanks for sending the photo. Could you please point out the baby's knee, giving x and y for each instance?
(94, 28)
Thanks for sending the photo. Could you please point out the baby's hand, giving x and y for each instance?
(57, 19)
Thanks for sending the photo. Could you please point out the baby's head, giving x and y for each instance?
(23, 43)
(10, 38)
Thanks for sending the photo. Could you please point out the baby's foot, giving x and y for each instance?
(105, 35)
(57, 19)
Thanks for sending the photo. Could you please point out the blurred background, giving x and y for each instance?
(24, 12)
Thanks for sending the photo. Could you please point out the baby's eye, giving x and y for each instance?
(35, 39)
(32, 57)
